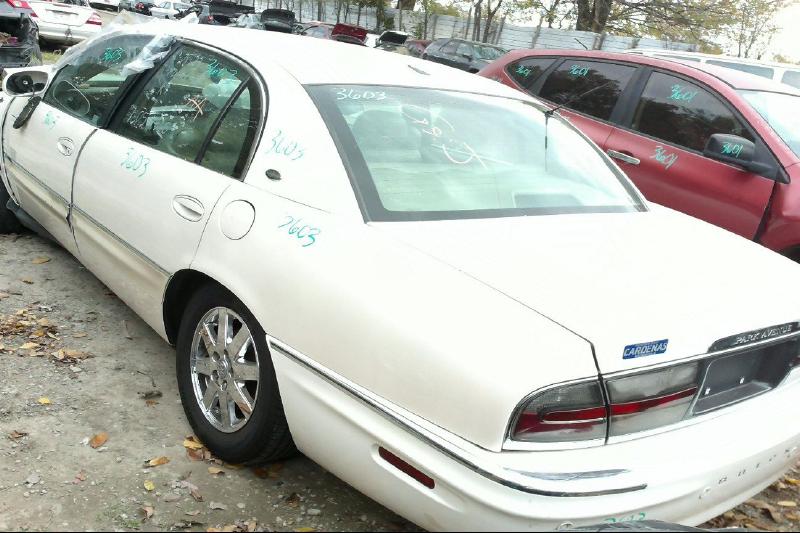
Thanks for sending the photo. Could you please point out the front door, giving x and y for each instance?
(663, 154)
(144, 189)
(41, 155)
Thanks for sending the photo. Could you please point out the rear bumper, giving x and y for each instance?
(686, 476)
(62, 33)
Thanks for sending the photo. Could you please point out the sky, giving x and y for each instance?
(787, 41)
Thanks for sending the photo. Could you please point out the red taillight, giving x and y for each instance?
(140, 6)
(20, 4)
(406, 468)
(95, 19)
(210, 18)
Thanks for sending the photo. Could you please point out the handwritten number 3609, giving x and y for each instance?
(301, 232)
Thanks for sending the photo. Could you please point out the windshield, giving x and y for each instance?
(488, 52)
(781, 111)
(424, 154)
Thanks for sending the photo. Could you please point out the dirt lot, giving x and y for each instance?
(75, 363)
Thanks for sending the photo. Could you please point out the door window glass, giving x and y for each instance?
(229, 148)
(176, 110)
(682, 113)
(90, 84)
(450, 48)
(791, 77)
(575, 77)
(526, 71)
(464, 50)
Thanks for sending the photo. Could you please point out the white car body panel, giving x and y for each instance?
(424, 337)
(168, 10)
(64, 23)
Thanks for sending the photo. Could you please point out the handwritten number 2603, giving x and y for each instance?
(301, 232)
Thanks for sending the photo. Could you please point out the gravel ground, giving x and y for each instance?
(91, 367)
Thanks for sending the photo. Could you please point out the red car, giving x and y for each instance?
(346, 33)
(718, 144)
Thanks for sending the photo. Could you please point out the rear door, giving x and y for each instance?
(595, 112)
(40, 156)
(663, 138)
(144, 188)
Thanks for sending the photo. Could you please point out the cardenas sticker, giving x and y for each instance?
(632, 351)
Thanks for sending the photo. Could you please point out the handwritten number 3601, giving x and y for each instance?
(135, 162)
(301, 232)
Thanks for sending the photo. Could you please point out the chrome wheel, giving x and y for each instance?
(224, 368)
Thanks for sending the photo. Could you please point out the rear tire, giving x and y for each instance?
(243, 380)
(8, 221)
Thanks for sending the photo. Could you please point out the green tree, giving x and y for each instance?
(754, 25)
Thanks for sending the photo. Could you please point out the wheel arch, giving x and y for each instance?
(180, 288)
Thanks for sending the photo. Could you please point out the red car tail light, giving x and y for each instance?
(19, 4)
(406, 468)
(652, 399)
(95, 19)
(575, 412)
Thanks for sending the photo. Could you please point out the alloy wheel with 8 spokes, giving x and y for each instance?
(224, 369)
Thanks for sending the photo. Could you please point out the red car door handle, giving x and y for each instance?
(626, 158)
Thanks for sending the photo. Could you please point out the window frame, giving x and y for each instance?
(545, 72)
(625, 97)
(125, 88)
(262, 94)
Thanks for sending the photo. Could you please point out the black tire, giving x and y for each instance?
(265, 437)
(8, 222)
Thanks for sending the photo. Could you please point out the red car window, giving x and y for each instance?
(683, 113)
(528, 70)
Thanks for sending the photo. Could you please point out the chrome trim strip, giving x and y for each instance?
(84, 214)
(39, 182)
(529, 482)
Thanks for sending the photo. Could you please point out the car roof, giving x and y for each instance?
(734, 78)
(721, 57)
(321, 61)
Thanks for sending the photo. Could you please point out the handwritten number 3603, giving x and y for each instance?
(135, 162)
(301, 232)
(282, 147)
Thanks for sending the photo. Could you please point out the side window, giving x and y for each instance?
(179, 105)
(764, 72)
(88, 87)
(575, 77)
(450, 48)
(682, 113)
(791, 77)
(465, 50)
(526, 71)
(229, 148)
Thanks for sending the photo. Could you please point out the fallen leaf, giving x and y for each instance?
(192, 444)
(158, 461)
(98, 440)
(213, 470)
(79, 335)
(149, 485)
(41, 260)
(193, 455)
(14, 435)
(217, 506)
(80, 476)
(29, 281)
(792, 481)
(293, 499)
(147, 512)
(193, 513)
(196, 495)
(4, 295)
(44, 400)
(152, 403)
(44, 322)
(29, 346)
(151, 395)
(758, 504)
(787, 504)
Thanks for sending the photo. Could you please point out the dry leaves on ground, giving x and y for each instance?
(98, 440)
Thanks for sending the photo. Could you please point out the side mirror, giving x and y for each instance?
(24, 82)
(738, 151)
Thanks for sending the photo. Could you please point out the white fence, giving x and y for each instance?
(506, 35)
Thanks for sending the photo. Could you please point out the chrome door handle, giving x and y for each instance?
(65, 146)
(623, 157)
(187, 207)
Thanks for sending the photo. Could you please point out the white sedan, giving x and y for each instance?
(419, 278)
(168, 9)
(67, 21)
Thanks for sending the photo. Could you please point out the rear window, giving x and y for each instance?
(791, 77)
(575, 77)
(526, 71)
(425, 154)
(764, 72)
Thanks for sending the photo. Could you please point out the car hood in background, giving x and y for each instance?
(621, 279)
(278, 20)
(346, 30)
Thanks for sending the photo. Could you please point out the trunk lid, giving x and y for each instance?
(621, 280)
(57, 13)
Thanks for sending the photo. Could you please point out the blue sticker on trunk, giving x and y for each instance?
(632, 351)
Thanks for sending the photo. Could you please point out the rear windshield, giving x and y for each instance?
(781, 111)
(425, 154)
